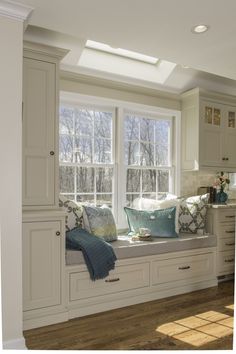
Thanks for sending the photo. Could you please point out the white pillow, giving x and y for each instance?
(151, 204)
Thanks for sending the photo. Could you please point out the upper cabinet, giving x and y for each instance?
(40, 125)
(208, 131)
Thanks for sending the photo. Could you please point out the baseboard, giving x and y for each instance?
(45, 320)
(18, 344)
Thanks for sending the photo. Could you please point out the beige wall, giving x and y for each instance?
(11, 43)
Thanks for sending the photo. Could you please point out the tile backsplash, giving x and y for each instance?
(192, 180)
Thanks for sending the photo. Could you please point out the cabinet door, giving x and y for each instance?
(39, 102)
(212, 134)
(41, 264)
(230, 136)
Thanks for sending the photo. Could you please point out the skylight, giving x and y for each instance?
(122, 52)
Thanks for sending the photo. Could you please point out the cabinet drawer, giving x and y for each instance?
(226, 230)
(227, 215)
(182, 268)
(226, 244)
(122, 278)
(226, 261)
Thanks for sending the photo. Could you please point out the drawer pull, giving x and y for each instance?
(230, 216)
(112, 280)
(183, 268)
(230, 232)
(58, 233)
(230, 244)
(229, 260)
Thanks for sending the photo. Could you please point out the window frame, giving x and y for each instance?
(118, 107)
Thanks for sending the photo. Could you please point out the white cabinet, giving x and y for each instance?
(38, 132)
(122, 278)
(43, 251)
(208, 130)
(40, 126)
(221, 222)
(136, 280)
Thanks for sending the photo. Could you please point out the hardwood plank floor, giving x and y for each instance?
(198, 320)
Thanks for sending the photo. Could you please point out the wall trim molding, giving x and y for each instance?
(18, 343)
(15, 11)
(93, 80)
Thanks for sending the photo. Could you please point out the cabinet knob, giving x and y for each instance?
(227, 159)
(52, 153)
(58, 233)
(223, 158)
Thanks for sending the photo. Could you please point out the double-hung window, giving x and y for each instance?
(112, 159)
(147, 156)
(86, 154)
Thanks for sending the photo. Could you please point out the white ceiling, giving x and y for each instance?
(160, 28)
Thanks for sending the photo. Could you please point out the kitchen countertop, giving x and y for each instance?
(231, 203)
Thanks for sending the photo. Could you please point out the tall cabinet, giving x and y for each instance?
(208, 130)
(43, 223)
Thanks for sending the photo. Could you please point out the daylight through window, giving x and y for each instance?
(94, 169)
(85, 153)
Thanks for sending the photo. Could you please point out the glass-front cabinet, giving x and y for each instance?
(218, 138)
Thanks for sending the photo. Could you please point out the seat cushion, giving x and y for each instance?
(125, 247)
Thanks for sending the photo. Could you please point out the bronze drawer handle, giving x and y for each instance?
(230, 216)
(230, 244)
(229, 260)
(112, 280)
(230, 232)
(183, 268)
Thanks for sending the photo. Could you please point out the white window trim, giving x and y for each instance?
(118, 107)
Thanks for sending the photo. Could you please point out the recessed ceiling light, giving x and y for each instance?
(122, 52)
(200, 29)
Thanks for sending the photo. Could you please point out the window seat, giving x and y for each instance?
(125, 248)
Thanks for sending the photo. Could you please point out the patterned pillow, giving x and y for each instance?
(160, 222)
(192, 213)
(100, 222)
(74, 212)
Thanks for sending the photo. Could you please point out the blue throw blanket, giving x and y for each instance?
(99, 255)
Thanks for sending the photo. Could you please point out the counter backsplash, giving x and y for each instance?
(192, 180)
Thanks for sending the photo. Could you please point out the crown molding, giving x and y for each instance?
(15, 11)
(44, 49)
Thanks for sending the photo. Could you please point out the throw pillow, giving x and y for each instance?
(151, 204)
(100, 222)
(74, 212)
(161, 222)
(192, 213)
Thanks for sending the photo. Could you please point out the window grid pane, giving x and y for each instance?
(152, 140)
(80, 129)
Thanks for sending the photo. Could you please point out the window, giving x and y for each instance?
(147, 156)
(86, 154)
(109, 158)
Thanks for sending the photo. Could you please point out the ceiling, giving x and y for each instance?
(159, 28)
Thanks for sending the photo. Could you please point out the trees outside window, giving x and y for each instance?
(90, 170)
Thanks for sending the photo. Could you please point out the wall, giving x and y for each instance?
(85, 85)
(11, 43)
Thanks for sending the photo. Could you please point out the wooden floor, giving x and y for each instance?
(199, 320)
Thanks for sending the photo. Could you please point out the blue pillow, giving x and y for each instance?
(160, 222)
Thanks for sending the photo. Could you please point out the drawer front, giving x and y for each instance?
(182, 268)
(226, 261)
(226, 244)
(122, 278)
(227, 215)
(226, 230)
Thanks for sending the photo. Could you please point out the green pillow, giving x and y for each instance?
(100, 222)
(160, 222)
